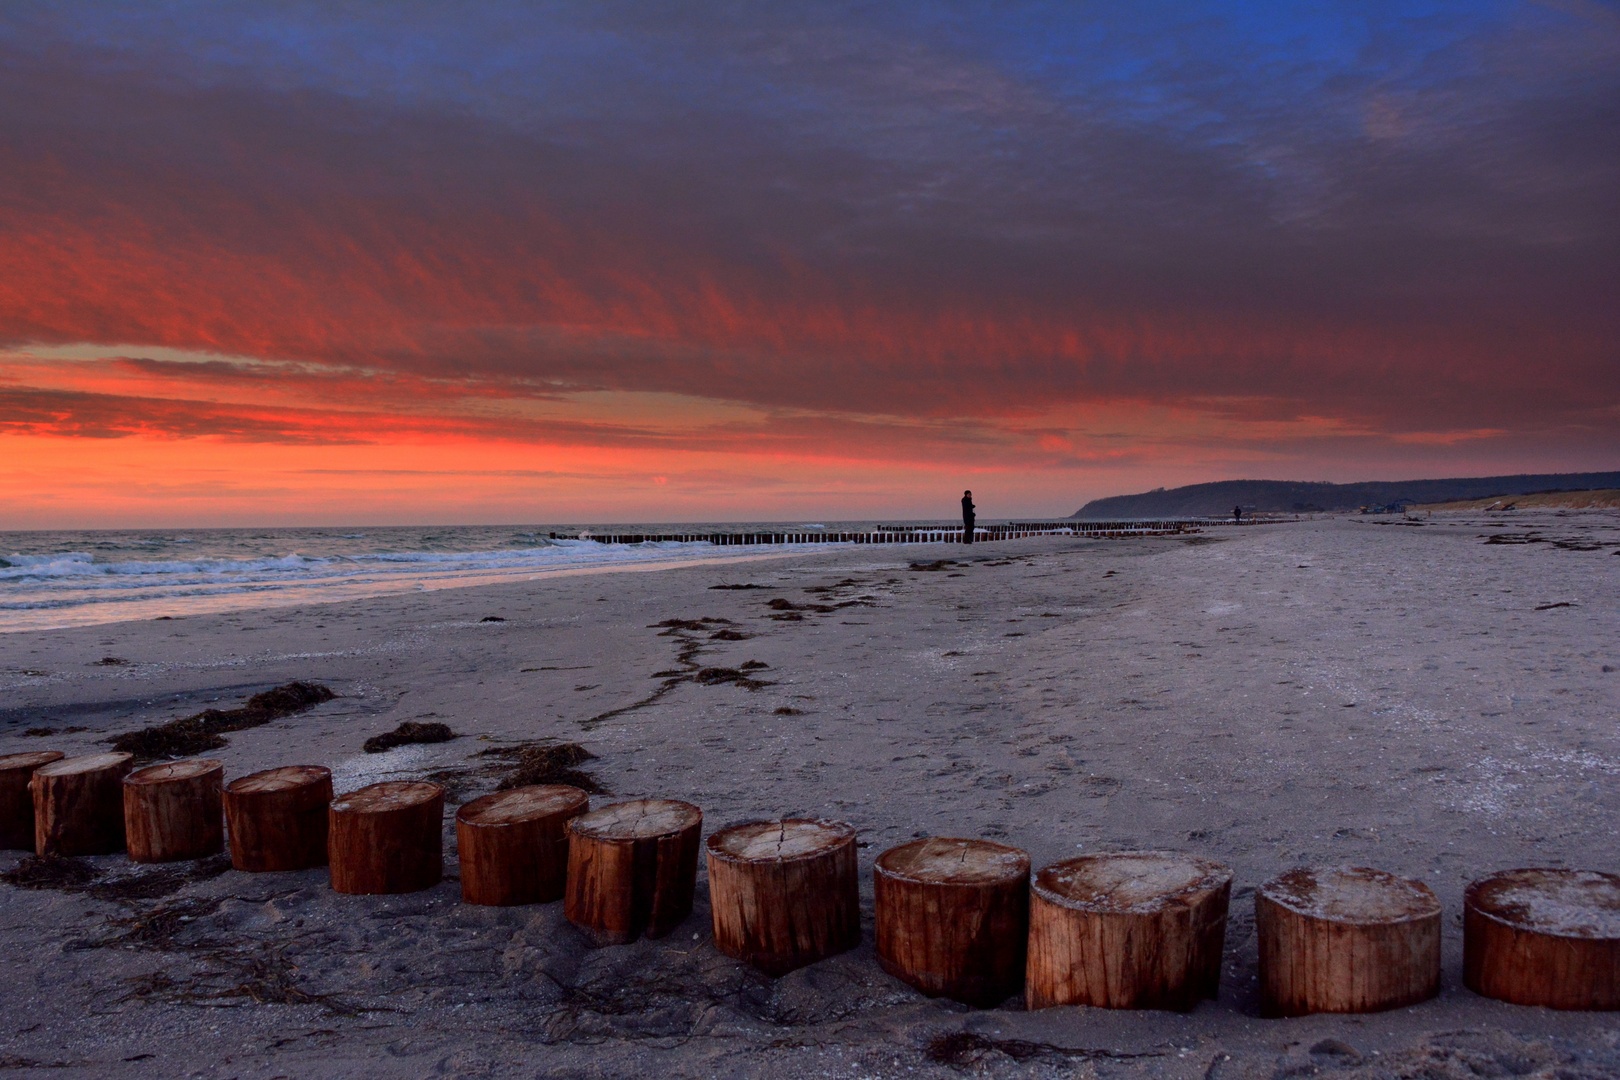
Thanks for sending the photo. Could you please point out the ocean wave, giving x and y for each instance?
(88, 577)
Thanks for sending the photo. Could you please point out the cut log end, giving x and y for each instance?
(784, 893)
(278, 818)
(1130, 930)
(174, 772)
(387, 838)
(16, 799)
(173, 811)
(27, 763)
(779, 841)
(639, 819)
(952, 917)
(1346, 940)
(89, 763)
(284, 778)
(1355, 895)
(1129, 883)
(939, 860)
(632, 869)
(387, 797)
(519, 805)
(513, 845)
(1544, 936)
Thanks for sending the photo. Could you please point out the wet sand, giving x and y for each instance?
(1415, 696)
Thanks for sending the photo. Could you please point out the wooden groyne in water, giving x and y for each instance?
(940, 534)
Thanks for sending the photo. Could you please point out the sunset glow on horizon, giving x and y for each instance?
(296, 264)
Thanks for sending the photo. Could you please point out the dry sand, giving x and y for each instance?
(1406, 695)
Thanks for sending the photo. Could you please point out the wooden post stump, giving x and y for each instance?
(79, 805)
(784, 893)
(1345, 940)
(173, 811)
(17, 800)
(513, 845)
(1132, 930)
(387, 838)
(278, 818)
(632, 868)
(953, 918)
(1544, 937)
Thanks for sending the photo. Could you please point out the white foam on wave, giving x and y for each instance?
(75, 588)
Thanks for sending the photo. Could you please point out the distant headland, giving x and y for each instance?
(1295, 497)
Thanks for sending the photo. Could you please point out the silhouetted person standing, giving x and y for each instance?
(967, 517)
(1237, 515)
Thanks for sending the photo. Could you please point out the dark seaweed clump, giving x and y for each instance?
(555, 764)
(196, 734)
(411, 731)
(714, 676)
(543, 762)
(141, 883)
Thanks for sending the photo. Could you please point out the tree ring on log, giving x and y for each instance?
(952, 917)
(278, 818)
(387, 838)
(513, 845)
(281, 778)
(386, 797)
(639, 819)
(632, 869)
(784, 893)
(79, 805)
(779, 841)
(75, 766)
(173, 811)
(1544, 936)
(174, 771)
(1345, 940)
(1127, 930)
(517, 806)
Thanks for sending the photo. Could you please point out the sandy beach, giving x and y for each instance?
(1434, 697)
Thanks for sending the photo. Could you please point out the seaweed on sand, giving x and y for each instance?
(411, 731)
(544, 762)
(557, 763)
(965, 1049)
(72, 875)
(196, 734)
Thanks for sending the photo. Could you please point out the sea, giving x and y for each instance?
(59, 579)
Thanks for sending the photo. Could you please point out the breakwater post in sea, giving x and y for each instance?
(924, 534)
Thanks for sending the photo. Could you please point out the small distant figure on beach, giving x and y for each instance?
(1237, 515)
(967, 517)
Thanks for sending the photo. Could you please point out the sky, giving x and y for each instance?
(304, 263)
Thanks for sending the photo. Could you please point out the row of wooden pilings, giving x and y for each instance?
(956, 918)
(920, 535)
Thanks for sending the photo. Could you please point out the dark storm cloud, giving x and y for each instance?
(1378, 213)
